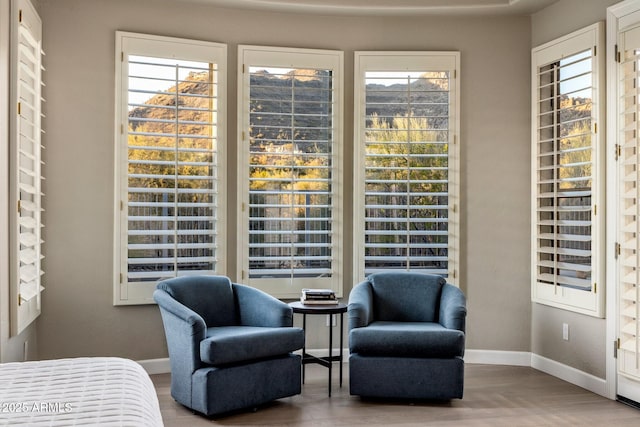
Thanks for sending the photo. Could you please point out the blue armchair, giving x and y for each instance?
(229, 345)
(406, 337)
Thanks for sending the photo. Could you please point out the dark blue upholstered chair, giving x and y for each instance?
(229, 345)
(406, 337)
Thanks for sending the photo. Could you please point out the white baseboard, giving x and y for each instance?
(570, 375)
(496, 357)
(548, 366)
(487, 357)
(156, 366)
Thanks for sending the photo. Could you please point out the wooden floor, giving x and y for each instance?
(493, 396)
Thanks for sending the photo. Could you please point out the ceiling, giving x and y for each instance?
(389, 7)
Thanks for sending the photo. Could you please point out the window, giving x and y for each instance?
(169, 155)
(26, 164)
(290, 168)
(406, 200)
(567, 173)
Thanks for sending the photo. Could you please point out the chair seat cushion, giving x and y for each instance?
(407, 339)
(232, 344)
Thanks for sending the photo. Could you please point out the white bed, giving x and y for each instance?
(90, 391)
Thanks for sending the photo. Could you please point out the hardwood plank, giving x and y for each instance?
(494, 395)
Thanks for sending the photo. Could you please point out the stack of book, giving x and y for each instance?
(318, 296)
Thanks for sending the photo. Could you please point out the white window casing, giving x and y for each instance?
(170, 185)
(568, 172)
(290, 169)
(26, 165)
(407, 163)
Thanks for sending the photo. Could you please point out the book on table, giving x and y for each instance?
(318, 296)
(319, 301)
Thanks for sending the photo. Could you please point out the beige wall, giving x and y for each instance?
(586, 348)
(566, 16)
(78, 317)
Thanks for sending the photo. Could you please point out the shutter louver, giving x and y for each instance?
(172, 168)
(564, 179)
(406, 178)
(290, 173)
(629, 224)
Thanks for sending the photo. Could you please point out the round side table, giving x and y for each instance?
(315, 309)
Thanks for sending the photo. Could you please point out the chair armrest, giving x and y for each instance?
(184, 329)
(453, 308)
(257, 308)
(360, 309)
(189, 320)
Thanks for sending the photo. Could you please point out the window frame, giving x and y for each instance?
(283, 57)
(420, 61)
(589, 302)
(128, 43)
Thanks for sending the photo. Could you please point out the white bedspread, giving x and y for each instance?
(90, 391)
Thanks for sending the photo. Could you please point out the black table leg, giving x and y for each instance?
(341, 329)
(304, 345)
(330, 349)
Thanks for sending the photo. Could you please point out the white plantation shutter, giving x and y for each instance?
(406, 202)
(172, 170)
(290, 155)
(27, 166)
(629, 211)
(290, 173)
(567, 174)
(169, 206)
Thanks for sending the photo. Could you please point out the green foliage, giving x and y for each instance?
(575, 160)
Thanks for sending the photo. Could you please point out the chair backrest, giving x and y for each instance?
(210, 296)
(406, 296)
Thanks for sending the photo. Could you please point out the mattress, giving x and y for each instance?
(90, 391)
